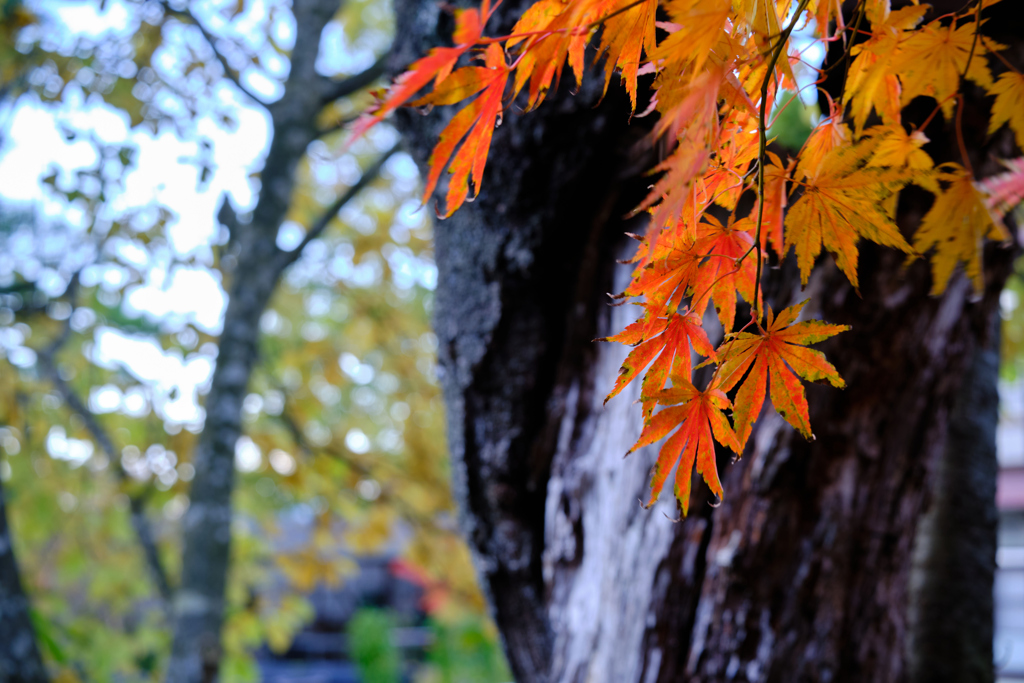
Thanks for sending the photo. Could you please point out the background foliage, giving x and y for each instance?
(107, 281)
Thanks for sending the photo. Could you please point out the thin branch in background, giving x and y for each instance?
(230, 73)
(369, 175)
(335, 127)
(334, 90)
(299, 439)
(140, 522)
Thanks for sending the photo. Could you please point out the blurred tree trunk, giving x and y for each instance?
(803, 573)
(19, 656)
(255, 263)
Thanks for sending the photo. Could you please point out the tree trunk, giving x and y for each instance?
(254, 264)
(19, 656)
(803, 572)
(951, 600)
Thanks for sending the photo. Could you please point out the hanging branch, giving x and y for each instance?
(140, 522)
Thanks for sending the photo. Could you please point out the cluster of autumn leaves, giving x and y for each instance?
(717, 67)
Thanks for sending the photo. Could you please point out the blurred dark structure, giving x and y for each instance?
(320, 653)
(1009, 583)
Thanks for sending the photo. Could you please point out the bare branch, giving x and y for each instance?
(140, 523)
(230, 73)
(356, 82)
(335, 127)
(409, 514)
(315, 230)
(299, 439)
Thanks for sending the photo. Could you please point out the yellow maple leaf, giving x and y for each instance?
(828, 135)
(1009, 105)
(899, 149)
(931, 61)
(956, 226)
(845, 201)
(872, 81)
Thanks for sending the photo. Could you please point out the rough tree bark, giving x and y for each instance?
(19, 657)
(803, 572)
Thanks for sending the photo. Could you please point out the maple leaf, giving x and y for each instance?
(931, 60)
(530, 29)
(720, 274)
(832, 133)
(872, 82)
(775, 177)
(626, 33)
(763, 19)
(560, 31)
(696, 27)
(897, 148)
(737, 145)
(823, 12)
(701, 422)
(667, 273)
(955, 226)
(779, 353)
(1009, 105)
(551, 32)
(841, 204)
(475, 123)
(436, 66)
(670, 351)
(1006, 190)
(689, 122)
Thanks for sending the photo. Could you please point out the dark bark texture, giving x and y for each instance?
(803, 573)
(19, 657)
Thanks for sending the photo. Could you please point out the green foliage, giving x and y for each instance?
(464, 652)
(793, 122)
(371, 646)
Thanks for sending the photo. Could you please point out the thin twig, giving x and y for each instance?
(335, 127)
(140, 523)
(960, 103)
(763, 148)
(230, 73)
(299, 439)
(334, 90)
(286, 258)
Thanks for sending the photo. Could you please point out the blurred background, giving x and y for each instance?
(146, 147)
(134, 139)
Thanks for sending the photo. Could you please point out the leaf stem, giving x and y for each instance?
(763, 148)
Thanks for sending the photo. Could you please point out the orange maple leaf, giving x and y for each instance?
(670, 350)
(832, 133)
(778, 352)
(695, 29)
(666, 278)
(436, 66)
(775, 199)
(626, 33)
(475, 123)
(699, 416)
(552, 31)
(720, 274)
(528, 31)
